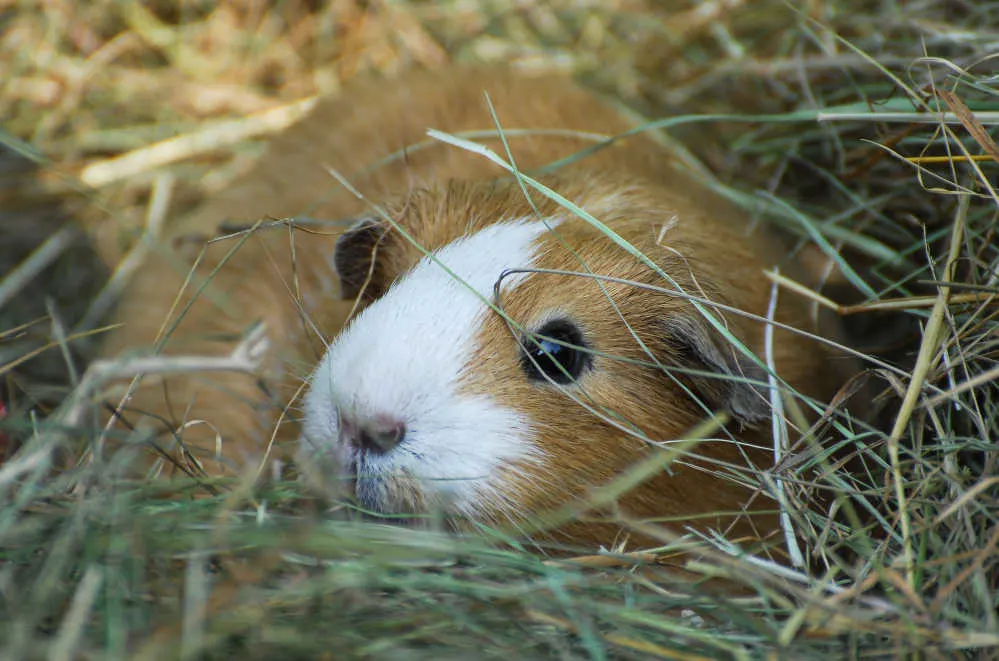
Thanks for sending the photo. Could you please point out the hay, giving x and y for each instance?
(866, 129)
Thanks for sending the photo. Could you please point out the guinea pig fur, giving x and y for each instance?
(491, 355)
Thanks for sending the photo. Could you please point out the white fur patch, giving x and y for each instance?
(403, 357)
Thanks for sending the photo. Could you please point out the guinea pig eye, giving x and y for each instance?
(555, 352)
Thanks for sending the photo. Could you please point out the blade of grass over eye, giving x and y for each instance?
(604, 229)
(590, 405)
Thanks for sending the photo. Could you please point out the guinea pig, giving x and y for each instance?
(470, 345)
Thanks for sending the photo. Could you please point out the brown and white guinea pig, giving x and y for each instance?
(488, 369)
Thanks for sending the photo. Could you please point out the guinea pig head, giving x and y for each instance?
(519, 357)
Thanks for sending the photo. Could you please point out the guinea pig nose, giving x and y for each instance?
(378, 435)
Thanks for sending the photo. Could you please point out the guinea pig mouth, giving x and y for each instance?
(384, 492)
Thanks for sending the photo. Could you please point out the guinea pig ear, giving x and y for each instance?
(735, 383)
(356, 259)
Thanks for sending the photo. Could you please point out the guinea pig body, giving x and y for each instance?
(505, 356)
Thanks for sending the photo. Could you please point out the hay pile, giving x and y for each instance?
(865, 128)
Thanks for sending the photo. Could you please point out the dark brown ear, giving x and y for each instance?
(728, 380)
(357, 260)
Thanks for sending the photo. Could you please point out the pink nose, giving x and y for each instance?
(379, 434)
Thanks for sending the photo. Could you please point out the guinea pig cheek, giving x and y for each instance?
(493, 375)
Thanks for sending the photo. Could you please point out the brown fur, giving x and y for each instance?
(439, 193)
